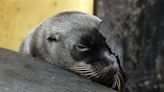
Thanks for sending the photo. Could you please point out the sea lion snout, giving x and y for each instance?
(109, 58)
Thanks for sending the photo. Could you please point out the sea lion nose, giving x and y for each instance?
(109, 58)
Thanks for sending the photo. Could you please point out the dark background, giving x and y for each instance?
(141, 24)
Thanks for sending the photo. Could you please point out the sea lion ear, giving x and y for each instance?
(54, 38)
(113, 40)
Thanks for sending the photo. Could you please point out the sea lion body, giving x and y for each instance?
(72, 40)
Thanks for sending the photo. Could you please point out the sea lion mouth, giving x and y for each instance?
(104, 75)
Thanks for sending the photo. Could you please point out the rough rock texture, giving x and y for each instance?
(19, 73)
(141, 23)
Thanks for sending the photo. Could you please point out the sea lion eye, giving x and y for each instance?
(81, 48)
(54, 38)
(51, 39)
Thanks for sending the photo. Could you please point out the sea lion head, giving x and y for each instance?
(72, 40)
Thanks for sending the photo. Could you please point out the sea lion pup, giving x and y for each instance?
(72, 40)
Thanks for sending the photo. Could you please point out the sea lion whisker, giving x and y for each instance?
(122, 81)
(80, 69)
(91, 73)
(92, 76)
(118, 82)
(102, 75)
(98, 76)
(121, 77)
(85, 72)
(114, 82)
(77, 68)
